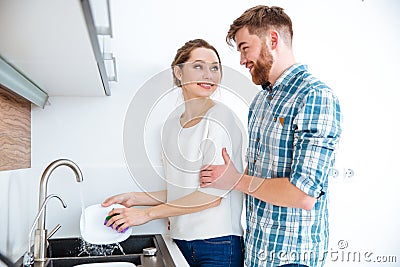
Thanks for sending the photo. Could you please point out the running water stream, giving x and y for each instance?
(82, 227)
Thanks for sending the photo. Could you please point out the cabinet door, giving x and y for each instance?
(15, 131)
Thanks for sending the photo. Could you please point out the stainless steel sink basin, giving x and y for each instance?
(66, 252)
(75, 247)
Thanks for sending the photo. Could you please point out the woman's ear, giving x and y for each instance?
(178, 72)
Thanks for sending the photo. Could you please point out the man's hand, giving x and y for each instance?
(220, 176)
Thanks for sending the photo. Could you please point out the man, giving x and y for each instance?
(294, 129)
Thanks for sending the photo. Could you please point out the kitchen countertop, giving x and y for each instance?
(173, 249)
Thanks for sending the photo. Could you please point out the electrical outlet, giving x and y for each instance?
(334, 173)
(348, 173)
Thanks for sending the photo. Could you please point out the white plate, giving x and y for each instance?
(93, 229)
(107, 264)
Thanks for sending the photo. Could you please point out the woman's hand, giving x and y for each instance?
(126, 199)
(122, 218)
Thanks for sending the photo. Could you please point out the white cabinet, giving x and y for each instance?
(54, 43)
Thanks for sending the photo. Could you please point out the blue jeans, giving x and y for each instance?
(220, 251)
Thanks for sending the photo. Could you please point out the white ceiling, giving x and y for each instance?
(48, 41)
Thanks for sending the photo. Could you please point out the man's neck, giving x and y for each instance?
(282, 63)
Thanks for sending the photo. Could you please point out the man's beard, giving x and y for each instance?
(262, 67)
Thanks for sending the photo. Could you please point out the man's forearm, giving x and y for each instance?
(276, 191)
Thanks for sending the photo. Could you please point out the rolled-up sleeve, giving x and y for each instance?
(317, 130)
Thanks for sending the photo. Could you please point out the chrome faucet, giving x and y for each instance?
(40, 244)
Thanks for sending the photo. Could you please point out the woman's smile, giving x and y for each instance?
(206, 86)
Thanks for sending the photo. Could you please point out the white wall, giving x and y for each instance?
(350, 44)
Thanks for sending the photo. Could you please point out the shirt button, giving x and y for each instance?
(257, 139)
(269, 97)
(255, 161)
(274, 119)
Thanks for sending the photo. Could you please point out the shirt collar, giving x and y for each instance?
(267, 86)
(288, 74)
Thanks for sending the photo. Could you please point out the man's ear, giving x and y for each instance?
(273, 38)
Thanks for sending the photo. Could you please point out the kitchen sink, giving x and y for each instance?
(141, 250)
(76, 247)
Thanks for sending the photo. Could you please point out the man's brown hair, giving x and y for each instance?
(259, 20)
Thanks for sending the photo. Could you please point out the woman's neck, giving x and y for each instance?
(195, 109)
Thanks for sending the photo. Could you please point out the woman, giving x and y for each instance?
(204, 223)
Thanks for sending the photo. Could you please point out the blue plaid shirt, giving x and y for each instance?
(294, 129)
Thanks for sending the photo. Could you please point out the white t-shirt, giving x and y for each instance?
(185, 151)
